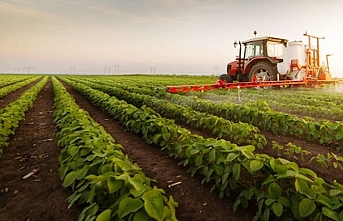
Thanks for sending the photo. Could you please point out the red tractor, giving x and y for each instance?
(270, 61)
(259, 60)
(275, 59)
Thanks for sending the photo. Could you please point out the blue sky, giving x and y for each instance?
(173, 36)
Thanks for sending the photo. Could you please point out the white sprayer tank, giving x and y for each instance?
(295, 50)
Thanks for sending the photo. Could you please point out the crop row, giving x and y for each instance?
(239, 133)
(298, 105)
(331, 112)
(311, 97)
(324, 132)
(12, 79)
(276, 186)
(262, 116)
(101, 176)
(216, 125)
(15, 86)
(273, 100)
(12, 114)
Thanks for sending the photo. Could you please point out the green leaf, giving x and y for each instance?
(141, 216)
(277, 209)
(269, 201)
(340, 216)
(172, 205)
(129, 205)
(104, 216)
(255, 165)
(236, 171)
(266, 215)
(247, 153)
(275, 190)
(153, 204)
(235, 205)
(74, 150)
(306, 207)
(330, 213)
(339, 136)
(302, 187)
(335, 192)
(75, 198)
(212, 155)
(137, 187)
(231, 156)
(114, 184)
(284, 201)
(166, 136)
(295, 206)
(198, 160)
(308, 172)
(69, 179)
(81, 173)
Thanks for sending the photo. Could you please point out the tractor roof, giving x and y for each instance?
(268, 38)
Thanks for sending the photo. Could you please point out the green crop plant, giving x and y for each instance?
(276, 146)
(279, 187)
(330, 160)
(325, 132)
(15, 86)
(104, 179)
(12, 114)
(240, 133)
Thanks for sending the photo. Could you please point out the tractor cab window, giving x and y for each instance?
(254, 49)
(258, 48)
(275, 49)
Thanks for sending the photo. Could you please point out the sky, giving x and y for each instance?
(155, 36)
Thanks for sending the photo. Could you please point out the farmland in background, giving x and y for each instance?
(269, 151)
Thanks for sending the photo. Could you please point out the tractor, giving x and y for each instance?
(270, 62)
(276, 59)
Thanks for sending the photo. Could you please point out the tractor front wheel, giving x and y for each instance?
(263, 71)
(225, 77)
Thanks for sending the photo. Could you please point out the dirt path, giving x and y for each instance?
(40, 197)
(195, 200)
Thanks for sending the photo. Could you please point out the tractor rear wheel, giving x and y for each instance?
(225, 77)
(263, 71)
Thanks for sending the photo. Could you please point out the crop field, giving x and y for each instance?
(122, 148)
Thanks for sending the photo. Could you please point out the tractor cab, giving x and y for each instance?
(258, 63)
(262, 47)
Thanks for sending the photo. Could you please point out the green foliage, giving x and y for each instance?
(324, 131)
(239, 133)
(12, 114)
(14, 83)
(278, 187)
(331, 160)
(105, 180)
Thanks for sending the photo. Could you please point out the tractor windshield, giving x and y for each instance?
(253, 49)
(275, 49)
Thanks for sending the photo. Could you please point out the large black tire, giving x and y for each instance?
(242, 77)
(263, 71)
(225, 77)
